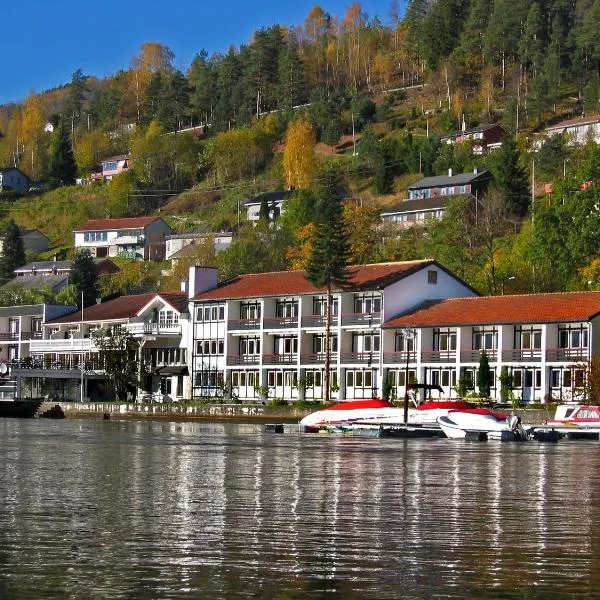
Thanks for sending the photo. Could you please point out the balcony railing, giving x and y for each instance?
(154, 328)
(567, 354)
(317, 320)
(438, 356)
(126, 240)
(522, 354)
(317, 358)
(9, 336)
(31, 335)
(360, 357)
(61, 345)
(243, 324)
(243, 359)
(280, 322)
(474, 356)
(280, 359)
(362, 319)
(399, 358)
(31, 367)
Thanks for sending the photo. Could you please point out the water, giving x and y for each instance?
(137, 509)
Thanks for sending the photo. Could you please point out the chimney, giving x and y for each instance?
(55, 257)
(475, 170)
(201, 279)
(450, 172)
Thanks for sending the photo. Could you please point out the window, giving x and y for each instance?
(320, 306)
(206, 313)
(405, 345)
(250, 310)
(95, 236)
(208, 379)
(432, 277)
(484, 339)
(365, 342)
(285, 345)
(319, 343)
(286, 308)
(249, 346)
(208, 347)
(528, 339)
(367, 304)
(444, 340)
(573, 338)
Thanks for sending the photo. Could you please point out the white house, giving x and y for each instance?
(141, 238)
(13, 179)
(578, 130)
(275, 202)
(178, 241)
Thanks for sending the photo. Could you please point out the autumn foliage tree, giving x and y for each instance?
(299, 154)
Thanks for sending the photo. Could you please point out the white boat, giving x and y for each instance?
(482, 422)
(574, 421)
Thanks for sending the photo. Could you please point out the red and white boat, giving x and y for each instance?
(571, 418)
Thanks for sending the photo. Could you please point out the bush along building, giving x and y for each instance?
(262, 336)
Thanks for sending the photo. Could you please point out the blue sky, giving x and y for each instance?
(53, 38)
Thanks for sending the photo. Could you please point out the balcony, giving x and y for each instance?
(567, 354)
(363, 358)
(399, 358)
(521, 354)
(474, 356)
(243, 324)
(309, 321)
(9, 336)
(361, 319)
(281, 322)
(438, 356)
(57, 369)
(31, 335)
(317, 358)
(243, 359)
(61, 345)
(154, 328)
(280, 359)
(129, 240)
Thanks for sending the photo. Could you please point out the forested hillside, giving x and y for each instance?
(369, 96)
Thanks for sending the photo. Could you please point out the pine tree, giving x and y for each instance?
(484, 379)
(13, 252)
(328, 263)
(263, 211)
(384, 175)
(61, 164)
(84, 277)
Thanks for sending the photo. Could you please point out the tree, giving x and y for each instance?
(84, 277)
(13, 252)
(263, 212)
(74, 102)
(119, 355)
(484, 378)
(33, 137)
(61, 165)
(328, 264)
(299, 154)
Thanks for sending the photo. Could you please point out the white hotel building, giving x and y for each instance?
(267, 331)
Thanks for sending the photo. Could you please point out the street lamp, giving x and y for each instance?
(408, 333)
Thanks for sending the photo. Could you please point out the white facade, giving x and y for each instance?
(578, 131)
(176, 242)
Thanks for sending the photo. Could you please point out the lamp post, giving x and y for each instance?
(408, 333)
(82, 363)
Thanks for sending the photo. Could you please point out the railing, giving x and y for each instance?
(438, 356)
(280, 359)
(8, 336)
(475, 355)
(399, 358)
(61, 345)
(567, 354)
(360, 357)
(317, 320)
(363, 319)
(520, 354)
(154, 328)
(47, 364)
(31, 335)
(317, 358)
(243, 359)
(129, 239)
(243, 324)
(280, 322)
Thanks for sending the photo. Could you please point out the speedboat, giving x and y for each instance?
(482, 424)
(379, 412)
(574, 421)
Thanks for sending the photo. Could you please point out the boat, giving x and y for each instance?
(480, 423)
(575, 421)
(20, 407)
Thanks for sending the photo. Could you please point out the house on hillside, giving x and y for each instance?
(14, 180)
(429, 197)
(578, 130)
(275, 204)
(140, 238)
(33, 240)
(484, 138)
(112, 166)
(175, 244)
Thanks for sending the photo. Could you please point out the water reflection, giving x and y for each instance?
(127, 509)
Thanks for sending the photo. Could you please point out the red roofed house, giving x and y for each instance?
(159, 321)
(136, 237)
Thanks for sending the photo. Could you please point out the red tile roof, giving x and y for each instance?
(115, 224)
(286, 283)
(123, 307)
(497, 310)
(575, 121)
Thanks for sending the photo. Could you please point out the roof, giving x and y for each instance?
(25, 232)
(471, 130)
(49, 265)
(6, 169)
(576, 121)
(115, 224)
(24, 310)
(418, 205)
(562, 307)
(286, 283)
(270, 197)
(444, 180)
(124, 307)
(113, 158)
(39, 282)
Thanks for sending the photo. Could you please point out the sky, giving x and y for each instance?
(54, 38)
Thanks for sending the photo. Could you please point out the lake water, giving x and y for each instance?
(148, 509)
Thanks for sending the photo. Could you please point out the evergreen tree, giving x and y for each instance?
(13, 252)
(202, 82)
(263, 211)
(510, 177)
(290, 77)
(61, 164)
(84, 277)
(328, 263)
(384, 173)
(484, 377)
(75, 97)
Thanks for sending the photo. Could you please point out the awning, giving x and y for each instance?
(173, 370)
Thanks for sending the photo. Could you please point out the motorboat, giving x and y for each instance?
(574, 421)
(481, 423)
(380, 412)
